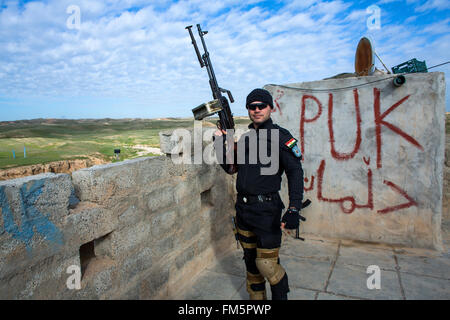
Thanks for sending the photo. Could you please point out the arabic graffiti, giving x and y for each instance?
(351, 200)
(341, 201)
(348, 204)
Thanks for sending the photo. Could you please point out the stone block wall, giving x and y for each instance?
(137, 229)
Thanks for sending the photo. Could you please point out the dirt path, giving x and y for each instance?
(146, 149)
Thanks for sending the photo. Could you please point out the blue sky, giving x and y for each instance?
(134, 59)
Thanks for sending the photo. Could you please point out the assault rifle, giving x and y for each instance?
(220, 103)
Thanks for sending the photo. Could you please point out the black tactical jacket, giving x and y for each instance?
(250, 180)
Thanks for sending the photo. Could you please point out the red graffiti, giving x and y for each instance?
(334, 153)
(341, 201)
(351, 200)
(311, 185)
(280, 94)
(348, 203)
(379, 121)
(303, 120)
(400, 206)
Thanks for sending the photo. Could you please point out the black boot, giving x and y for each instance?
(281, 289)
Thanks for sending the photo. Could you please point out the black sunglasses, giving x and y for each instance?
(260, 106)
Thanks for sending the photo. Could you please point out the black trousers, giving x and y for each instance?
(259, 228)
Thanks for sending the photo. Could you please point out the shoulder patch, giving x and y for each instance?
(292, 144)
(296, 151)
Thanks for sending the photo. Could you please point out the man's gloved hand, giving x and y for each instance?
(291, 218)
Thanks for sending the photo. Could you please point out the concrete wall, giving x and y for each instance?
(373, 156)
(139, 229)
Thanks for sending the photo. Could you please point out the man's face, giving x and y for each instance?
(259, 116)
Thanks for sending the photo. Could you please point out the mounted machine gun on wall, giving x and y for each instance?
(220, 103)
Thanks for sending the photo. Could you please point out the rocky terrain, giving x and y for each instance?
(63, 166)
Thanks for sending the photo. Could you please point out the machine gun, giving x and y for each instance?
(220, 103)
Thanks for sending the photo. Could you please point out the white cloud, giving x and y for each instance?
(440, 27)
(434, 4)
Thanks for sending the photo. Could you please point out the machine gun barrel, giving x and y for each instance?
(194, 43)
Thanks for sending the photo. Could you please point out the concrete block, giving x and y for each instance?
(98, 279)
(190, 208)
(351, 281)
(176, 169)
(32, 210)
(87, 222)
(125, 240)
(134, 265)
(163, 247)
(160, 198)
(156, 279)
(150, 170)
(163, 224)
(131, 212)
(100, 183)
(45, 279)
(107, 184)
(131, 294)
(204, 241)
(222, 229)
(209, 215)
(207, 176)
(190, 228)
(103, 246)
(185, 189)
(372, 159)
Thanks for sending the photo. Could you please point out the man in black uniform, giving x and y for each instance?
(259, 206)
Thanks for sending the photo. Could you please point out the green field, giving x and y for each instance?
(47, 140)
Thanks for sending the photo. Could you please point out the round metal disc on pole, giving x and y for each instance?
(364, 58)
